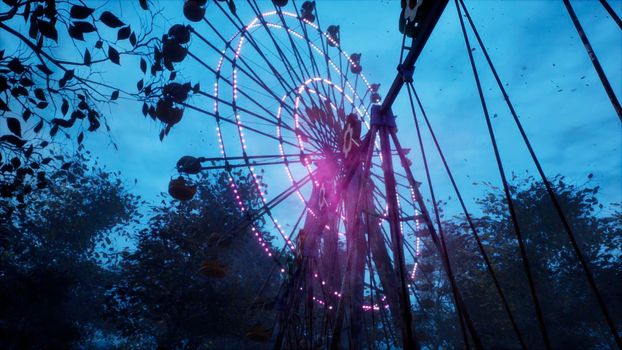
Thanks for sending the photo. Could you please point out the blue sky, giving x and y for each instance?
(547, 73)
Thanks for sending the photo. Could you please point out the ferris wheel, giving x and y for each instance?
(353, 236)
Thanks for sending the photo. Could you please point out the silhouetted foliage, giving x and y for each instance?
(570, 309)
(54, 257)
(169, 294)
(51, 56)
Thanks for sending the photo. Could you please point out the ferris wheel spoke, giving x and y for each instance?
(308, 40)
(300, 66)
(282, 251)
(250, 112)
(267, 207)
(303, 27)
(254, 164)
(228, 103)
(314, 65)
(343, 77)
(290, 69)
(245, 94)
(327, 59)
(401, 196)
(260, 16)
(300, 63)
(263, 156)
(356, 81)
(297, 53)
(245, 34)
(248, 71)
(233, 122)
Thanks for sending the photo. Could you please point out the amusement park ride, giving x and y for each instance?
(351, 265)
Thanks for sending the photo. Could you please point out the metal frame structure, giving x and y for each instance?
(326, 288)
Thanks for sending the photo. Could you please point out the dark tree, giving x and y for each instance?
(55, 258)
(194, 281)
(573, 318)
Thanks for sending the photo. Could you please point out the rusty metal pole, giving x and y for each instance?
(385, 121)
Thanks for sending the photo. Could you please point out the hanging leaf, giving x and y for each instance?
(109, 19)
(139, 85)
(124, 33)
(54, 130)
(28, 151)
(40, 94)
(19, 91)
(26, 115)
(64, 108)
(87, 57)
(16, 163)
(33, 31)
(43, 68)
(143, 4)
(26, 82)
(232, 7)
(115, 95)
(48, 30)
(94, 123)
(80, 137)
(84, 27)
(4, 106)
(63, 123)
(38, 127)
(16, 66)
(75, 33)
(80, 12)
(14, 140)
(14, 126)
(143, 65)
(133, 39)
(113, 54)
(77, 115)
(69, 74)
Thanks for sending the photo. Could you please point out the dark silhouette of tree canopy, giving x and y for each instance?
(570, 309)
(66, 282)
(165, 296)
(54, 257)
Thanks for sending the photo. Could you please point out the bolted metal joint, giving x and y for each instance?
(380, 117)
(406, 72)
